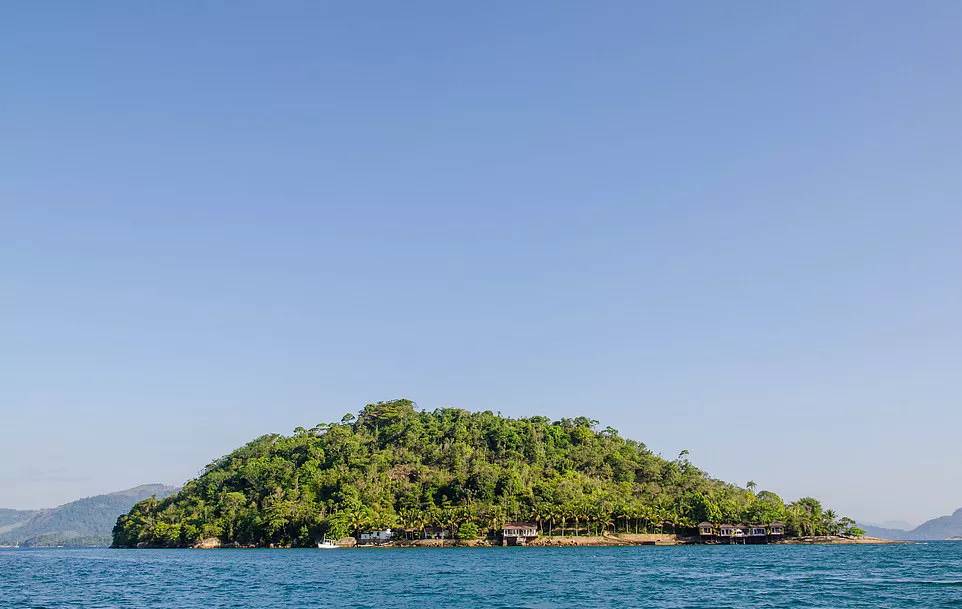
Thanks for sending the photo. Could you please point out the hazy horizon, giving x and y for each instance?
(728, 228)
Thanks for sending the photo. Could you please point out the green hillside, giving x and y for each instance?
(392, 466)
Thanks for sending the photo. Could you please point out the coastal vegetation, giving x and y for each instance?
(465, 473)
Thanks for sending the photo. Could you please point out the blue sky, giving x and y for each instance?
(732, 228)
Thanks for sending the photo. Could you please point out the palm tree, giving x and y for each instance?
(358, 519)
(829, 522)
(549, 513)
(537, 514)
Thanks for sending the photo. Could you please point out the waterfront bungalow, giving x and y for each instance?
(518, 533)
(756, 533)
(732, 533)
(740, 533)
(435, 533)
(376, 537)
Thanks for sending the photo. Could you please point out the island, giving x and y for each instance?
(394, 475)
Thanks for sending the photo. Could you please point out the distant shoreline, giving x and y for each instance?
(545, 542)
(602, 541)
(838, 540)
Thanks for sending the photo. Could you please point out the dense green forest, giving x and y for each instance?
(465, 472)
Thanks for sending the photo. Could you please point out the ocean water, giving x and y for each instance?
(716, 577)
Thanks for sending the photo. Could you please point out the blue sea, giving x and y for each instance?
(890, 576)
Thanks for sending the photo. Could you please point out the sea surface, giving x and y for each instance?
(895, 576)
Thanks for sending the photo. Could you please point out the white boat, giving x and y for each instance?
(324, 544)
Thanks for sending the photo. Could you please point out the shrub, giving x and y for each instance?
(468, 531)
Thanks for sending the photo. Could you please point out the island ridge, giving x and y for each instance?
(455, 474)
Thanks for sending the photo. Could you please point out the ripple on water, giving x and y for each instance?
(775, 577)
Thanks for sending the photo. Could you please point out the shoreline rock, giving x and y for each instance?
(837, 540)
(556, 541)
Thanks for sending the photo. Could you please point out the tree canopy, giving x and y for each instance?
(393, 466)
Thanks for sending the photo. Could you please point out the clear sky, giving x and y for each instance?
(733, 228)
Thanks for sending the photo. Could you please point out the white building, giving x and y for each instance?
(376, 536)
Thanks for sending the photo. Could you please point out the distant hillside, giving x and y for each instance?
(943, 527)
(83, 522)
(883, 532)
(895, 524)
(8, 517)
(11, 519)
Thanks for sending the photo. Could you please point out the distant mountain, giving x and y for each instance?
(894, 524)
(943, 527)
(86, 522)
(874, 530)
(10, 519)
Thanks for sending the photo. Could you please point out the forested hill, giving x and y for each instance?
(393, 466)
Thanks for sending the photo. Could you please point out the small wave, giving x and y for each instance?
(927, 582)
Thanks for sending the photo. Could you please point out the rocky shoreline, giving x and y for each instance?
(838, 540)
(607, 540)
